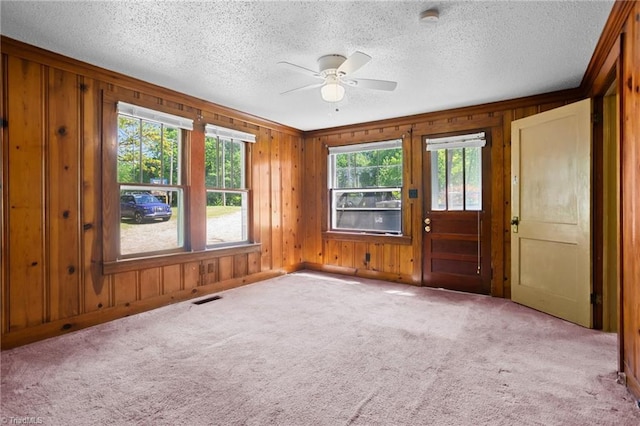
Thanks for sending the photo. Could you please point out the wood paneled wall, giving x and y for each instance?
(400, 259)
(630, 224)
(54, 278)
(53, 235)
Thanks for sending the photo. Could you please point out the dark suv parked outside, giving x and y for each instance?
(141, 207)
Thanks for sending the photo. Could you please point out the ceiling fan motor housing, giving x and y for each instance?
(329, 64)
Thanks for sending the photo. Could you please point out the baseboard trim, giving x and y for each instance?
(363, 273)
(69, 325)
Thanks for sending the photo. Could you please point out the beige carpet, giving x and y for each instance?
(314, 349)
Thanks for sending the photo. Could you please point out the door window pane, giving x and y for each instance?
(439, 179)
(473, 178)
(456, 178)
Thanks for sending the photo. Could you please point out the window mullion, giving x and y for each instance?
(162, 153)
(140, 152)
(464, 179)
(446, 179)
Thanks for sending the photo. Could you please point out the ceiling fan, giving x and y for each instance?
(335, 71)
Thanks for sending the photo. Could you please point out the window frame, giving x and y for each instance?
(108, 227)
(334, 232)
(165, 120)
(243, 190)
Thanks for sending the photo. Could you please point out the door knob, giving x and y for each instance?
(427, 228)
(427, 221)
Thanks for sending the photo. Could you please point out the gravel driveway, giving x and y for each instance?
(154, 236)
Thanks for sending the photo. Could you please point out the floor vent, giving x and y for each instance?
(206, 300)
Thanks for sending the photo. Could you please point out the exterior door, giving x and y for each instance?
(457, 223)
(551, 212)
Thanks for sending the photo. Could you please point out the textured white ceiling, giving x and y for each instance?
(227, 51)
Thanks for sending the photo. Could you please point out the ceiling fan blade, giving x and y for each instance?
(300, 69)
(372, 84)
(307, 87)
(354, 63)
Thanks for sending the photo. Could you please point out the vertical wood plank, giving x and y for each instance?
(25, 189)
(95, 288)
(377, 257)
(211, 272)
(262, 193)
(285, 199)
(507, 118)
(240, 265)
(417, 149)
(410, 178)
(497, 211)
(405, 260)
(323, 194)
(110, 195)
(196, 228)
(360, 251)
(191, 275)
(150, 283)
(630, 203)
(346, 254)
(4, 167)
(125, 287)
(308, 228)
(62, 195)
(296, 200)
(332, 252)
(253, 263)
(391, 259)
(171, 279)
(312, 190)
(226, 268)
(289, 189)
(276, 201)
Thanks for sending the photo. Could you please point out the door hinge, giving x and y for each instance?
(596, 299)
(596, 117)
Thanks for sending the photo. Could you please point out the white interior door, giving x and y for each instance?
(551, 210)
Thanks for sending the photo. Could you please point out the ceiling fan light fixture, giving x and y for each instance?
(332, 92)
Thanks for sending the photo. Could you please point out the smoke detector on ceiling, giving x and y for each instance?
(430, 15)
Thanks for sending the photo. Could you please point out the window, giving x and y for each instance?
(149, 179)
(365, 183)
(227, 194)
(456, 172)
